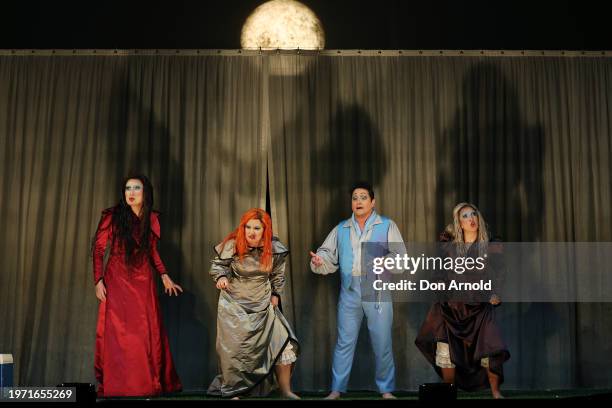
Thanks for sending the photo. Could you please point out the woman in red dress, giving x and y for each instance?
(132, 351)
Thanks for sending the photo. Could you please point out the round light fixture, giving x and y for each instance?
(282, 24)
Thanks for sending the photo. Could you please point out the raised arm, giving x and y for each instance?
(328, 253)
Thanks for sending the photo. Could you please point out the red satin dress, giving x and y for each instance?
(132, 351)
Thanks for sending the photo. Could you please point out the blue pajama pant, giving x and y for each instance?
(379, 318)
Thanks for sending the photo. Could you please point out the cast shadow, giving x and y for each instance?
(150, 151)
(492, 157)
(354, 152)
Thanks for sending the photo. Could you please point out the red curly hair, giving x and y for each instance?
(241, 243)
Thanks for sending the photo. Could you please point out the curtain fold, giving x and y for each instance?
(72, 128)
(527, 139)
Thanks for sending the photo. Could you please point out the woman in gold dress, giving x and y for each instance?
(256, 345)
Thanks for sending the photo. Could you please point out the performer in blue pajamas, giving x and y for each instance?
(342, 250)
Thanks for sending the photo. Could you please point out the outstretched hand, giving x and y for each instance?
(170, 287)
(316, 259)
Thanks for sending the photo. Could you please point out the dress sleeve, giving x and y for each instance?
(155, 236)
(103, 234)
(221, 263)
(329, 253)
(277, 275)
(277, 278)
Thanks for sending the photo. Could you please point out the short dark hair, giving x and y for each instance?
(365, 185)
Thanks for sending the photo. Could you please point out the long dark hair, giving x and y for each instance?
(124, 220)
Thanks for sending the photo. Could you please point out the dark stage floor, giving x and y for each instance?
(594, 395)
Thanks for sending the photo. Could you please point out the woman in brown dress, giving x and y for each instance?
(461, 339)
(255, 343)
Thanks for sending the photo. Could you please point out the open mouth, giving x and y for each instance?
(131, 199)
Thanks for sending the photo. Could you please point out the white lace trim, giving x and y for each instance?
(443, 357)
(288, 356)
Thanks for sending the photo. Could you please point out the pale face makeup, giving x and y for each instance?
(253, 231)
(134, 193)
(468, 219)
(361, 203)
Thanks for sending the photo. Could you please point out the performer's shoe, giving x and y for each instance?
(334, 395)
(389, 396)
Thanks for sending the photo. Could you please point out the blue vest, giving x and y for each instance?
(380, 233)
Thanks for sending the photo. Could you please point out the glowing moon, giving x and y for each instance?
(284, 24)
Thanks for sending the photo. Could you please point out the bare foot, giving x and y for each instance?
(497, 395)
(334, 395)
(388, 395)
(291, 395)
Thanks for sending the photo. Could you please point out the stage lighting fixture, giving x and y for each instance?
(282, 24)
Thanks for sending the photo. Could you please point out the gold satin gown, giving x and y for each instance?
(252, 334)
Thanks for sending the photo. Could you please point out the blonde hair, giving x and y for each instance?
(456, 232)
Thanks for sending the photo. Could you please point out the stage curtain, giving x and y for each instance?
(71, 129)
(528, 139)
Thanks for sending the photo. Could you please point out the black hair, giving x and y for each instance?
(365, 185)
(124, 220)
